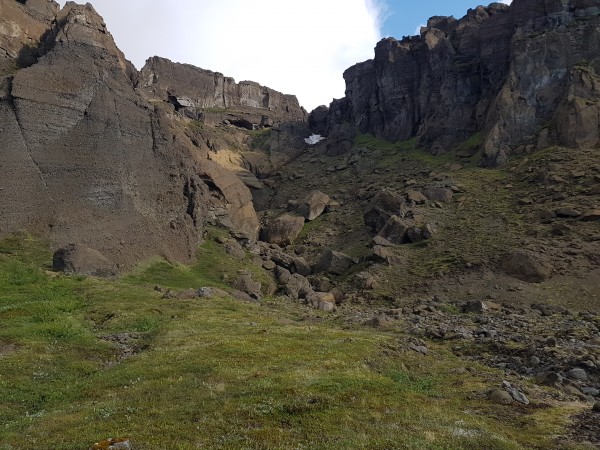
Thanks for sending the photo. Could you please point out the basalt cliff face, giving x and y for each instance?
(89, 157)
(517, 78)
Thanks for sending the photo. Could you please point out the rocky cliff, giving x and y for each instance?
(510, 79)
(192, 88)
(86, 159)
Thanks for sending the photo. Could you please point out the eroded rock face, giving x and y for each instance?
(188, 86)
(85, 159)
(22, 28)
(516, 77)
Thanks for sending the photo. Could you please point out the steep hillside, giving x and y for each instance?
(93, 157)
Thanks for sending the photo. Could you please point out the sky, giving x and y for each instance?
(299, 47)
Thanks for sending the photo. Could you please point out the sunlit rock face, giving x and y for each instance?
(85, 159)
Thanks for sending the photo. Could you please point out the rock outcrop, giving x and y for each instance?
(502, 79)
(85, 159)
(189, 87)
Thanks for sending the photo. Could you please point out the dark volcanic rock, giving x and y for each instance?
(525, 267)
(493, 79)
(384, 205)
(395, 230)
(336, 263)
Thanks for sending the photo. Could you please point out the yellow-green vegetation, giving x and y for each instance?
(83, 359)
(389, 153)
(195, 126)
(260, 138)
(212, 268)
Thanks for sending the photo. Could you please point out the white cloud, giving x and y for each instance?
(418, 29)
(299, 48)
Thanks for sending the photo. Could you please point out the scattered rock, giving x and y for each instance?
(572, 390)
(394, 230)
(525, 267)
(415, 197)
(500, 396)
(438, 194)
(547, 215)
(591, 215)
(324, 301)
(282, 230)
(516, 394)
(414, 234)
(365, 280)
(566, 213)
(246, 284)
(187, 294)
(82, 260)
(269, 265)
(381, 241)
(295, 285)
(596, 407)
(383, 206)
(234, 249)
(577, 374)
(313, 205)
(590, 391)
(241, 295)
(207, 292)
(422, 349)
(481, 306)
(295, 264)
(381, 255)
(549, 379)
(335, 263)
(381, 321)
(112, 444)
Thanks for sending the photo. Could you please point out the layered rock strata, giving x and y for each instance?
(85, 159)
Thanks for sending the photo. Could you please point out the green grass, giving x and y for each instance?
(260, 138)
(213, 267)
(218, 373)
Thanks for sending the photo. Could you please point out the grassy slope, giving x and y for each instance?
(218, 373)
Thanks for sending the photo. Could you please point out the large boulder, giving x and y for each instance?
(335, 263)
(395, 230)
(438, 194)
(293, 263)
(313, 205)
(293, 285)
(82, 260)
(246, 284)
(525, 267)
(384, 205)
(282, 230)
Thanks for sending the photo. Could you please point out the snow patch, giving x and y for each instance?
(314, 139)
